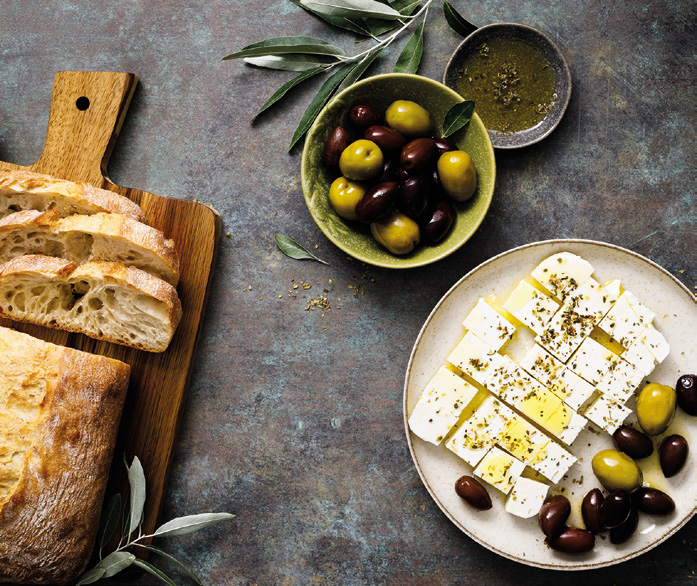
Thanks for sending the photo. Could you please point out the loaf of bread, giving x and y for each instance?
(59, 415)
(81, 239)
(23, 190)
(104, 300)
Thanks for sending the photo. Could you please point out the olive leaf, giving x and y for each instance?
(92, 576)
(115, 562)
(110, 517)
(190, 523)
(150, 569)
(359, 69)
(125, 518)
(286, 87)
(337, 21)
(176, 562)
(456, 22)
(325, 92)
(294, 250)
(410, 57)
(459, 115)
(283, 45)
(380, 27)
(353, 8)
(136, 480)
(289, 62)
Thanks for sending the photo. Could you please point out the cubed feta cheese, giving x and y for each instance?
(622, 323)
(474, 357)
(526, 498)
(440, 405)
(620, 382)
(531, 307)
(499, 469)
(562, 273)
(553, 462)
(542, 365)
(572, 389)
(565, 424)
(640, 309)
(655, 343)
(612, 290)
(523, 440)
(607, 414)
(538, 404)
(509, 381)
(589, 300)
(565, 333)
(638, 355)
(489, 325)
(592, 360)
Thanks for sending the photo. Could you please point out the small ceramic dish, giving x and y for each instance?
(552, 54)
(380, 91)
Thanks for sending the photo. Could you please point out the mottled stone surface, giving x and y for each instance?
(293, 419)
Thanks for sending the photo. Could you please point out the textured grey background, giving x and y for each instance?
(294, 420)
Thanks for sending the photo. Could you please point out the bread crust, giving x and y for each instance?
(49, 524)
(58, 269)
(85, 198)
(104, 226)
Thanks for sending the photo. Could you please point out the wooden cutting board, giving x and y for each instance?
(87, 112)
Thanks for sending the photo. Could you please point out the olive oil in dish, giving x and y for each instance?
(511, 82)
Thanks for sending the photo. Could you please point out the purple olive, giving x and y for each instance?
(418, 154)
(553, 515)
(377, 201)
(412, 197)
(633, 442)
(615, 508)
(621, 533)
(388, 139)
(473, 493)
(363, 116)
(590, 510)
(653, 501)
(672, 454)
(443, 145)
(436, 225)
(389, 171)
(572, 540)
(686, 388)
(338, 140)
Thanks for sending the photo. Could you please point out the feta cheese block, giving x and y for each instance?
(638, 355)
(592, 360)
(622, 323)
(590, 299)
(655, 343)
(523, 440)
(562, 273)
(440, 405)
(489, 325)
(499, 469)
(639, 308)
(565, 424)
(526, 498)
(542, 365)
(474, 357)
(553, 461)
(478, 434)
(572, 389)
(613, 290)
(509, 381)
(531, 307)
(620, 382)
(538, 404)
(565, 333)
(607, 414)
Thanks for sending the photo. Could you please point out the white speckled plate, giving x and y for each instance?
(521, 539)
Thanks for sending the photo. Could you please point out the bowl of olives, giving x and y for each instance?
(381, 182)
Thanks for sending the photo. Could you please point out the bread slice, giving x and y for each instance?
(81, 239)
(23, 190)
(104, 300)
(59, 416)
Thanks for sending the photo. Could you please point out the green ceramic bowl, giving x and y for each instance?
(380, 91)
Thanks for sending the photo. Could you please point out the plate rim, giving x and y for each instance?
(410, 443)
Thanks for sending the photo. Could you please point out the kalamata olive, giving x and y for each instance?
(621, 533)
(389, 171)
(553, 515)
(417, 154)
(655, 408)
(435, 190)
(615, 508)
(686, 389)
(672, 454)
(590, 510)
(388, 139)
(616, 470)
(435, 227)
(412, 197)
(408, 117)
(443, 145)
(338, 140)
(377, 201)
(653, 501)
(403, 174)
(362, 116)
(572, 540)
(632, 442)
(396, 232)
(473, 493)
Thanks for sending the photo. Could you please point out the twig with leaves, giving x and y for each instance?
(380, 21)
(132, 535)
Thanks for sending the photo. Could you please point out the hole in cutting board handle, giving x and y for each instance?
(82, 103)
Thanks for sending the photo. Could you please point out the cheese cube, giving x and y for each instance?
(641, 310)
(538, 404)
(542, 365)
(526, 498)
(592, 360)
(565, 333)
(508, 380)
(499, 469)
(489, 325)
(655, 343)
(553, 462)
(565, 424)
(590, 299)
(620, 382)
(638, 355)
(474, 357)
(440, 405)
(478, 434)
(523, 440)
(531, 307)
(572, 389)
(622, 323)
(607, 414)
(562, 273)
(612, 290)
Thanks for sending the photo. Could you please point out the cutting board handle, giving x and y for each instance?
(87, 111)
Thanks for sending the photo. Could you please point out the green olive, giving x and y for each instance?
(396, 232)
(344, 195)
(655, 408)
(361, 160)
(409, 118)
(457, 175)
(617, 471)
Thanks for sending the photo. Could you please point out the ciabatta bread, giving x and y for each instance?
(23, 190)
(103, 300)
(81, 239)
(59, 415)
